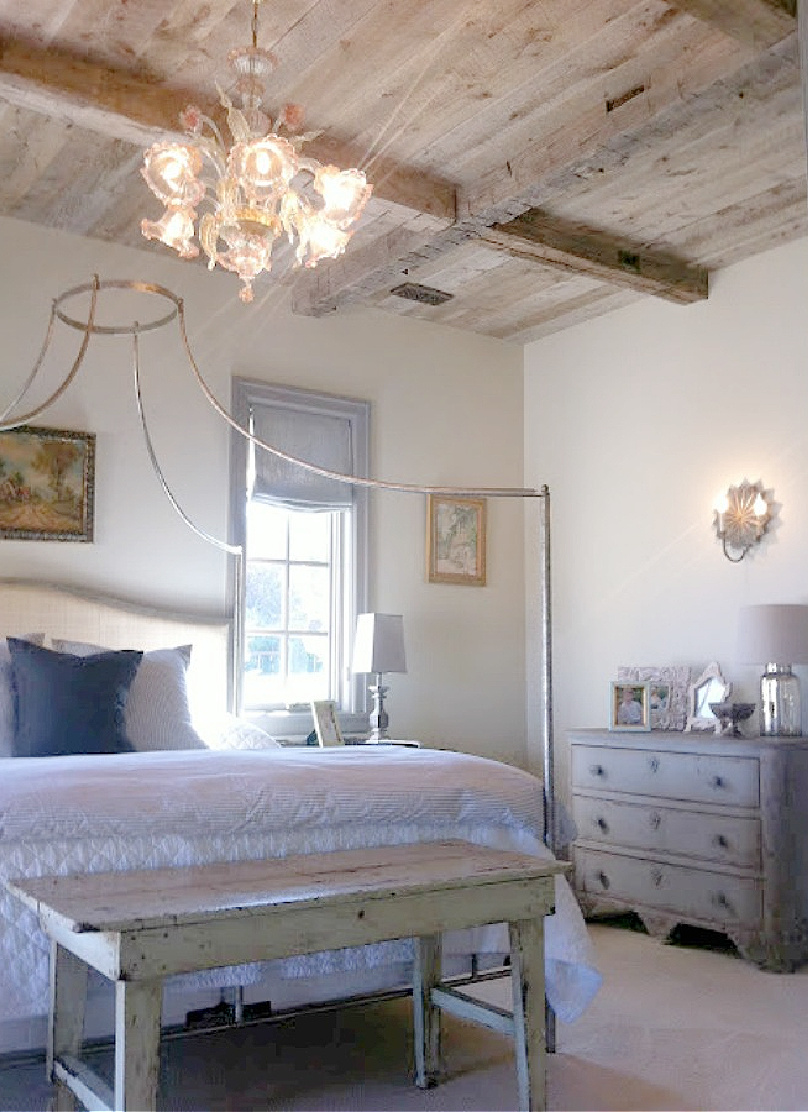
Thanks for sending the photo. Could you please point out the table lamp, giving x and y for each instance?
(776, 636)
(379, 648)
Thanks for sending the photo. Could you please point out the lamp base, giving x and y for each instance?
(379, 720)
(780, 704)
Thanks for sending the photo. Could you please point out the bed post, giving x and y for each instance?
(547, 706)
(547, 678)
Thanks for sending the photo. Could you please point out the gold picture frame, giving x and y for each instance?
(456, 540)
(326, 723)
(630, 705)
(47, 484)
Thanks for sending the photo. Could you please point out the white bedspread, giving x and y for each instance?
(144, 810)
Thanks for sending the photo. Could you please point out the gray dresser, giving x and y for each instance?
(694, 828)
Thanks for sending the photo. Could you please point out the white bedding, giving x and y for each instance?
(142, 810)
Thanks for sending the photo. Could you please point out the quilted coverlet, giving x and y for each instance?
(73, 814)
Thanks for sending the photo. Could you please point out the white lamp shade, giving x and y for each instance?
(379, 643)
(775, 634)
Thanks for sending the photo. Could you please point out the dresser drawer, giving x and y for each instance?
(700, 777)
(720, 838)
(690, 893)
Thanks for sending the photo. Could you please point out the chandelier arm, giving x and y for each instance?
(353, 480)
(25, 417)
(232, 549)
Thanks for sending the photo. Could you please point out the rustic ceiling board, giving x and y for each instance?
(498, 60)
(563, 172)
(747, 152)
(618, 82)
(597, 304)
(588, 133)
(623, 262)
(28, 145)
(758, 23)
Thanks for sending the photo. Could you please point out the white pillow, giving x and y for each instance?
(157, 715)
(237, 733)
(8, 698)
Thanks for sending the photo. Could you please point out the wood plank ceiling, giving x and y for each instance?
(541, 161)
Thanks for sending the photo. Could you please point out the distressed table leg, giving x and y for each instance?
(138, 1007)
(68, 995)
(426, 1017)
(527, 964)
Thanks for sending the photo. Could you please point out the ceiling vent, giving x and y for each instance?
(427, 295)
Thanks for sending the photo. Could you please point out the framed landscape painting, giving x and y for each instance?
(455, 543)
(47, 481)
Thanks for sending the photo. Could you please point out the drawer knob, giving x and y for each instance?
(721, 841)
(597, 770)
(656, 821)
(720, 900)
(604, 880)
(656, 878)
(717, 781)
(653, 764)
(602, 825)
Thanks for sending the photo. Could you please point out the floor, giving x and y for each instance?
(674, 1027)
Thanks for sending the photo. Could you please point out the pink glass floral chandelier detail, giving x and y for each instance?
(258, 192)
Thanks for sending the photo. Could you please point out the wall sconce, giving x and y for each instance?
(742, 516)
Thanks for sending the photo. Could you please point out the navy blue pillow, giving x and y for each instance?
(70, 704)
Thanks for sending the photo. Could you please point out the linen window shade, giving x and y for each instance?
(321, 439)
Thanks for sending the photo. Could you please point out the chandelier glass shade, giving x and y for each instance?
(258, 192)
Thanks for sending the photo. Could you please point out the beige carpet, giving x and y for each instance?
(673, 1028)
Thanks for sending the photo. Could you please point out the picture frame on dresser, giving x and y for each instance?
(709, 687)
(669, 690)
(630, 706)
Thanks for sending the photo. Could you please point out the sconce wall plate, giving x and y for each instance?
(741, 519)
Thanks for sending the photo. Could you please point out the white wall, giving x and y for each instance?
(637, 421)
(446, 408)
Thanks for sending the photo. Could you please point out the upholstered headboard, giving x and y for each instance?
(27, 607)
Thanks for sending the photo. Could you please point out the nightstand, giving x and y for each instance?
(698, 829)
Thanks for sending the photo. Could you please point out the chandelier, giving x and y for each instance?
(259, 192)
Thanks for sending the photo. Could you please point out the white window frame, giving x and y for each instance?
(248, 394)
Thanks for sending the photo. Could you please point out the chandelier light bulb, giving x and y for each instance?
(255, 193)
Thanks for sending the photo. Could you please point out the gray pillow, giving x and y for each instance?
(8, 705)
(157, 712)
(68, 704)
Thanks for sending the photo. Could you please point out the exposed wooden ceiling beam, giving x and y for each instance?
(757, 23)
(124, 106)
(591, 143)
(584, 251)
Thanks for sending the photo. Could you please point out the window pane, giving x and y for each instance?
(266, 531)
(264, 595)
(308, 669)
(309, 598)
(310, 536)
(263, 678)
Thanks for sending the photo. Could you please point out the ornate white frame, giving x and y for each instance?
(696, 719)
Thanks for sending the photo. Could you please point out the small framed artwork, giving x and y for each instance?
(455, 540)
(630, 707)
(47, 484)
(668, 695)
(326, 723)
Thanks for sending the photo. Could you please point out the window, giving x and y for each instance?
(305, 538)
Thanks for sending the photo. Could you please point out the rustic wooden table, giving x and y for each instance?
(137, 928)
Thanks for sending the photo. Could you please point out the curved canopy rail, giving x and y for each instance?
(134, 328)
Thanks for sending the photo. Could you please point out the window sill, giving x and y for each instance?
(296, 726)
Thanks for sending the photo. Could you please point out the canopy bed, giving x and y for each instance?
(186, 789)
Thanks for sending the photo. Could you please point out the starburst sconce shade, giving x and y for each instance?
(742, 516)
(257, 192)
